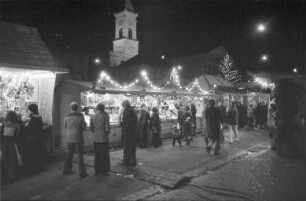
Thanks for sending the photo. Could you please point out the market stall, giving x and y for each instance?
(111, 94)
(27, 73)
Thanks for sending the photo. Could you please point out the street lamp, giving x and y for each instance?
(143, 73)
(97, 60)
(261, 28)
(264, 58)
(295, 70)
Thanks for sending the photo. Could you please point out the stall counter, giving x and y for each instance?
(115, 134)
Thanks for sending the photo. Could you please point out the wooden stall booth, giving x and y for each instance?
(83, 93)
(27, 74)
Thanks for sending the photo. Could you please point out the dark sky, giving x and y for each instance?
(176, 27)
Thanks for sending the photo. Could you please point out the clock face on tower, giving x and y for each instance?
(120, 22)
(130, 22)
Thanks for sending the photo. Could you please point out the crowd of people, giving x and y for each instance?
(257, 115)
(21, 142)
(21, 145)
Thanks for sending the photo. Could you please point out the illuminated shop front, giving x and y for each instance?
(27, 73)
(83, 93)
(20, 87)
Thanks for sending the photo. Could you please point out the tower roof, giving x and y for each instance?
(128, 6)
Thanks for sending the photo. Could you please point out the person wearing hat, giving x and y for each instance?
(100, 127)
(75, 124)
(32, 131)
(10, 158)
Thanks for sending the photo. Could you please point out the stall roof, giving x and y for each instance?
(88, 86)
(207, 82)
(22, 47)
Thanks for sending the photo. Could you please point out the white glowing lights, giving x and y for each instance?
(261, 28)
(295, 70)
(264, 58)
(105, 76)
(174, 75)
(97, 60)
(148, 81)
(264, 83)
(195, 84)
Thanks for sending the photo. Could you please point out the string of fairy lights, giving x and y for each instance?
(174, 78)
(196, 84)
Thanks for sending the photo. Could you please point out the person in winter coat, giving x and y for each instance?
(156, 127)
(187, 126)
(271, 123)
(180, 120)
(213, 120)
(193, 110)
(129, 131)
(222, 110)
(143, 119)
(250, 116)
(204, 126)
(32, 132)
(75, 125)
(10, 157)
(233, 121)
(100, 127)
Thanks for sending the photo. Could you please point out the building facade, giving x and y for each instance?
(125, 44)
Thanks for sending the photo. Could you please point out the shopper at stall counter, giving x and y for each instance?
(31, 131)
(155, 127)
(100, 127)
(143, 119)
(10, 157)
(75, 124)
(129, 131)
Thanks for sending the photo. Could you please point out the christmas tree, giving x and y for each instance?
(226, 68)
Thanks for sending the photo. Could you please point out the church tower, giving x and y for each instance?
(125, 44)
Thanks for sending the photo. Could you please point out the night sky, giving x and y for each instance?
(175, 28)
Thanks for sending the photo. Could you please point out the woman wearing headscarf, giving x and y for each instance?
(33, 130)
(10, 158)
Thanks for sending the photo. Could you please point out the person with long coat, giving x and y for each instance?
(193, 110)
(10, 157)
(143, 119)
(233, 122)
(155, 127)
(32, 132)
(187, 126)
(213, 120)
(129, 131)
(100, 127)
